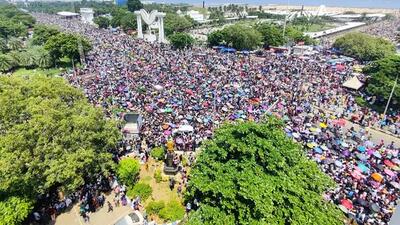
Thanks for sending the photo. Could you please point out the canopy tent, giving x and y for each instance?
(353, 83)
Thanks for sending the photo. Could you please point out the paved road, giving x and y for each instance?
(101, 217)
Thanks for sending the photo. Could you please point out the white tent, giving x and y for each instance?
(353, 83)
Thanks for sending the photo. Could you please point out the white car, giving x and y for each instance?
(133, 218)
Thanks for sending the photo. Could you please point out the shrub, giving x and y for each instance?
(128, 171)
(154, 207)
(173, 211)
(157, 175)
(140, 189)
(158, 153)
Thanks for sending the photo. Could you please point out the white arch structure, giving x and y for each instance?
(150, 19)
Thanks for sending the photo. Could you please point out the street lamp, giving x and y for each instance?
(391, 95)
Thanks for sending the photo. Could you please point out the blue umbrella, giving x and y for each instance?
(362, 157)
(363, 167)
(318, 150)
(361, 148)
(377, 155)
(338, 163)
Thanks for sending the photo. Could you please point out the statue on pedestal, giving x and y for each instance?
(169, 165)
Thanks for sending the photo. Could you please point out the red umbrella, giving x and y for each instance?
(347, 203)
(388, 163)
(340, 122)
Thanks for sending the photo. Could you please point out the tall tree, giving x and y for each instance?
(102, 22)
(383, 75)
(42, 33)
(67, 45)
(134, 5)
(272, 34)
(181, 40)
(242, 37)
(364, 47)
(50, 138)
(253, 173)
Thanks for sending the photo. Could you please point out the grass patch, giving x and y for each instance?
(315, 27)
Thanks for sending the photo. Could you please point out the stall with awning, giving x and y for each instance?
(354, 83)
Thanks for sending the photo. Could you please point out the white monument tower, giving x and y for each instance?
(153, 20)
(87, 15)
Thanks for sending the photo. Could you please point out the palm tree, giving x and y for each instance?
(3, 45)
(42, 58)
(6, 63)
(27, 59)
(15, 44)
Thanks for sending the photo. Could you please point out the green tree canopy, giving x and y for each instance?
(181, 40)
(50, 137)
(42, 33)
(175, 23)
(239, 36)
(128, 22)
(128, 170)
(102, 22)
(66, 45)
(383, 75)
(134, 5)
(253, 173)
(14, 210)
(272, 34)
(364, 47)
(215, 38)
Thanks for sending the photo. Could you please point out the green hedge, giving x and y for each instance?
(158, 153)
(140, 189)
(173, 211)
(155, 207)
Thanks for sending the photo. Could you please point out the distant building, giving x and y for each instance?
(196, 16)
(87, 15)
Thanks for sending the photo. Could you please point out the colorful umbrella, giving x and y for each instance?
(340, 122)
(395, 184)
(361, 148)
(396, 160)
(356, 174)
(362, 157)
(323, 147)
(344, 144)
(311, 145)
(388, 163)
(378, 177)
(377, 155)
(318, 150)
(347, 203)
(338, 163)
(363, 168)
(389, 172)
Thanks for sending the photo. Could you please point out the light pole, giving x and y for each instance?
(390, 96)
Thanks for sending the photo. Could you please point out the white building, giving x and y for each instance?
(87, 15)
(196, 16)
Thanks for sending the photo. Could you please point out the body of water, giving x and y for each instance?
(338, 3)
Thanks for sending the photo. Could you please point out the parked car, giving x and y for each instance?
(133, 218)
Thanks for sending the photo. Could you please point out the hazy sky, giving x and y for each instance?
(343, 3)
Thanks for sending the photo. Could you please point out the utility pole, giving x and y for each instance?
(390, 97)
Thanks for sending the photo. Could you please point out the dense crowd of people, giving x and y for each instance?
(184, 95)
(388, 29)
